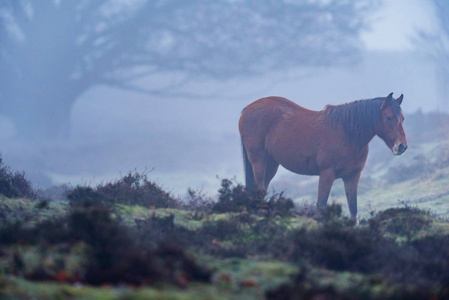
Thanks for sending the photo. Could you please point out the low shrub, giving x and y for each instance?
(132, 189)
(305, 286)
(337, 248)
(114, 252)
(415, 269)
(403, 221)
(197, 201)
(306, 209)
(15, 184)
(116, 256)
(337, 245)
(233, 197)
(332, 215)
(156, 230)
(84, 196)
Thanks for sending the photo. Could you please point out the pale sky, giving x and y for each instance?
(396, 22)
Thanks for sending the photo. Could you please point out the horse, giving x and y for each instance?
(331, 143)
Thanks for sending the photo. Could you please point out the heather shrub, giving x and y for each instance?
(403, 221)
(14, 184)
(233, 197)
(115, 253)
(132, 189)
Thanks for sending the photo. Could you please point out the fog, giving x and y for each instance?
(183, 130)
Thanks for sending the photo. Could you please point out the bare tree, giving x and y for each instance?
(52, 51)
(437, 44)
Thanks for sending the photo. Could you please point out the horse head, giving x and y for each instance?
(389, 127)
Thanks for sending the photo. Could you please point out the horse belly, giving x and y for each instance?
(294, 157)
(304, 165)
(294, 142)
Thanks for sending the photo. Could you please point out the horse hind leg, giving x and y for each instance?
(271, 167)
(255, 176)
(250, 181)
(264, 169)
(260, 167)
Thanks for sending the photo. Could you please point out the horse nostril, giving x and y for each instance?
(402, 148)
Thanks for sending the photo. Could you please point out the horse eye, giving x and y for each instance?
(389, 118)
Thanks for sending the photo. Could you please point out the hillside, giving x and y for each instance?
(129, 239)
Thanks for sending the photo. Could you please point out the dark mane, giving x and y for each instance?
(358, 118)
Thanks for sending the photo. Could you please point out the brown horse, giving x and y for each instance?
(331, 143)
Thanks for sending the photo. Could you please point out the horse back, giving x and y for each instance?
(287, 131)
(264, 114)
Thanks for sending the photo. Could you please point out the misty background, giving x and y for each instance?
(92, 89)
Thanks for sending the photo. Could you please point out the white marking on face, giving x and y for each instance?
(395, 149)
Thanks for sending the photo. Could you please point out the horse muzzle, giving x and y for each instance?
(399, 149)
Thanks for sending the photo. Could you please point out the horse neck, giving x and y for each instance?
(359, 129)
(361, 135)
(362, 142)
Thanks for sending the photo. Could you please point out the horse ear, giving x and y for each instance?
(400, 99)
(386, 102)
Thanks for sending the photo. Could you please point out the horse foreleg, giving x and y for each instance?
(324, 188)
(351, 184)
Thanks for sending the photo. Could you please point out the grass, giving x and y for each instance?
(14, 288)
(251, 255)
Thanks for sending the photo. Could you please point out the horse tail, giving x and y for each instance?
(249, 174)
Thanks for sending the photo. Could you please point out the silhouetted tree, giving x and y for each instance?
(52, 51)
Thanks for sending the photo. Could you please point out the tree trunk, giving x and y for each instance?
(45, 117)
